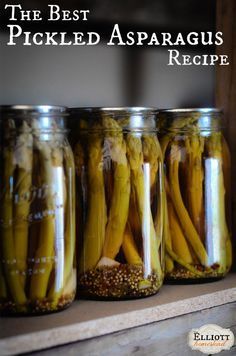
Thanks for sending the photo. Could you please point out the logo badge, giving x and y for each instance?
(210, 339)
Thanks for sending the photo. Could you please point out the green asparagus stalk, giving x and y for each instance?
(181, 262)
(81, 193)
(94, 234)
(70, 285)
(39, 281)
(118, 214)
(195, 147)
(129, 248)
(70, 233)
(7, 236)
(134, 220)
(152, 154)
(24, 160)
(135, 157)
(187, 225)
(36, 206)
(169, 263)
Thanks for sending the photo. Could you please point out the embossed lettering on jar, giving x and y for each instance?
(37, 239)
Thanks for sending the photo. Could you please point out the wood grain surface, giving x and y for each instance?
(90, 319)
(164, 338)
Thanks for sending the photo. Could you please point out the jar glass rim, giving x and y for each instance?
(204, 111)
(135, 118)
(47, 110)
(190, 119)
(116, 110)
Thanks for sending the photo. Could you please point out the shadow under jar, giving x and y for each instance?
(197, 163)
(119, 172)
(37, 222)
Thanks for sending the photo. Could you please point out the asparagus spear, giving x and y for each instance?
(152, 154)
(79, 158)
(129, 248)
(118, 214)
(177, 125)
(94, 234)
(134, 220)
(39, 281)
(70, 234)
(179, 244)
(195, 148)
(169, 263)
(135, 157)
(7, 237)
(181, 262)
(24, 159)
(70, 285)
(187, 225)
(36, 206)
(170, 255)
(81, 193)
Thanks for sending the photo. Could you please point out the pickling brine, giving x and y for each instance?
(119, 177)
(197, 162)
(37, 222)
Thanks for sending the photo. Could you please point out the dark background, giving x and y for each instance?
(105, 75)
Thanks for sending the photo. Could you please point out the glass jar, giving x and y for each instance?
(197, 163)
(119, 172)
(37, 222)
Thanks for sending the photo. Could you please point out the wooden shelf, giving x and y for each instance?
(89, 319)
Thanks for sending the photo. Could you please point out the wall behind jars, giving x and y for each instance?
(100, 76)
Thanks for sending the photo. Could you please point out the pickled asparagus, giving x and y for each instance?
(130, 263)
(39, 281)
(36, 275)
(195, 148)
(94, 234)
(169, 263)
(179, 244)
(198, 163)
(7, 235)
(118, 213)
(23, 156)
(130, 250)
(187, 225)
(135, 157)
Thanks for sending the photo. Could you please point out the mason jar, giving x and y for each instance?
(197, 165)
(119, 177)
(37, 214)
